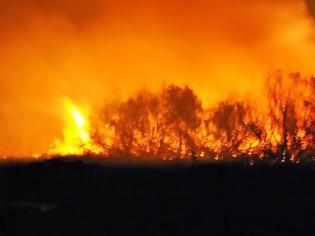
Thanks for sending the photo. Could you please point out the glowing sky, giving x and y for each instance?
(96, 51)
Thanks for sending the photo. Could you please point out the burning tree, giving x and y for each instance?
(180, 118)
(172, 124)
(233, 127)
(291, 111)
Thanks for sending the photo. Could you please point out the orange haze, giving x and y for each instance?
(98, 51)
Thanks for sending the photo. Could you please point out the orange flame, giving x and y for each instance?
(76, 136)
(174, 125)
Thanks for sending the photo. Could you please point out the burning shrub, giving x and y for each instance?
(172, 124)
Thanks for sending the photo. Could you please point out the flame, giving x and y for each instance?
(101, 52)
(173, 124)
(76, 135)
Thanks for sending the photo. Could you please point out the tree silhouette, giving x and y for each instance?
(173, 124)
(231, 127)
(181, 110)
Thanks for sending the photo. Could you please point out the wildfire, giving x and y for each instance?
(173, 124)
(102, 53)
(76, 136)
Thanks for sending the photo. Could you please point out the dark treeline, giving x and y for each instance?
(173, 124)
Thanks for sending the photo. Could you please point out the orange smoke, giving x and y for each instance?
(98, 52)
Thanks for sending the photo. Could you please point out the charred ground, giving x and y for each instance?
(80, 197)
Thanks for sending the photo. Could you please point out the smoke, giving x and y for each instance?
(96, 51)
(311, 7)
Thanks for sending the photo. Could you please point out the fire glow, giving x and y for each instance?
(173, 124)
(157, 79)
(76, 136)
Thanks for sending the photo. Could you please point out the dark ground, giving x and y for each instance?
(78, 198)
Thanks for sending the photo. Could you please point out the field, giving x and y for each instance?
(79, 197)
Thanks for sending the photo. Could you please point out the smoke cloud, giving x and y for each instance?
(311, 7)
(97, 51)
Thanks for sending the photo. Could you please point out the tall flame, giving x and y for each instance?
(76, 136)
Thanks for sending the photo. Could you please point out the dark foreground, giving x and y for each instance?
(76, 198)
